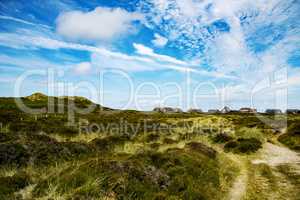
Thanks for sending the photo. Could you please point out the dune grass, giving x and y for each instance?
(43, 159)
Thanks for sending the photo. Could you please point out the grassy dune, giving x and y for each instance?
(173, 156)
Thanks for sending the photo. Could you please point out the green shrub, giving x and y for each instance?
(47, 150)
(169, 141)
(249, 145)
(221, 138)
(242, 145)
(7, 137)
(294, 129)
(39, 138)
(231, 145)
(45, 154)
(250, 133)
(202, 148)
(152, 137)
(25, 127)
(290, 140)
(13, 153)
(108, 143)
(154, 146)
(11, 184)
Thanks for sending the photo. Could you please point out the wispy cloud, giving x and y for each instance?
(24, 21)
(32, 62)
(146, 51)
(110, 59)
(246, 38)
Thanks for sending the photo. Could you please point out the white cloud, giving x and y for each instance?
(229, 53)
(99, 24)
(104, 58)
(83, 68)
(185, 21)
(143, 50)
(159, 40)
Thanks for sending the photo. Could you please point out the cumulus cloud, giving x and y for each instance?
(99, 24)
(83, 68)
(159, 40)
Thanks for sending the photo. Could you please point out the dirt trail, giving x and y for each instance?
(274, 155)
(240, 185)
(283, 162)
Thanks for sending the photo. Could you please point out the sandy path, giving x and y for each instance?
(240, 185)
(274, 155)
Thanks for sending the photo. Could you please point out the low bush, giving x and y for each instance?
(50, 153)
(14, 154)
(221, 138)
(108, 143)
(11, 184)
(181, 173)
(202, 148)
(152, 137)
(249, 145)
(290, 140)
(248, 133)
(169, 141)
(7, 137)
(294, 129)
(154, 146)
(39, 138)
(231, 145)
(46, 150)
(242, 145)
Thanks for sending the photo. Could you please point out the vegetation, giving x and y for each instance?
(292, 137)
(111, 154)
(221, 138)
(242, 145)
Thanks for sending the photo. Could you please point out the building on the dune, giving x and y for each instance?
(226, 109)
(163, 109)
(213, 111)
(273, 111)
(292, 111)
(177, 110)
(194, 110)
(248, 110)
(167, 110)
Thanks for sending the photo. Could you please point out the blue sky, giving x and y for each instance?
(181, 53)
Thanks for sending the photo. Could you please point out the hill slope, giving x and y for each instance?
(39, 100)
